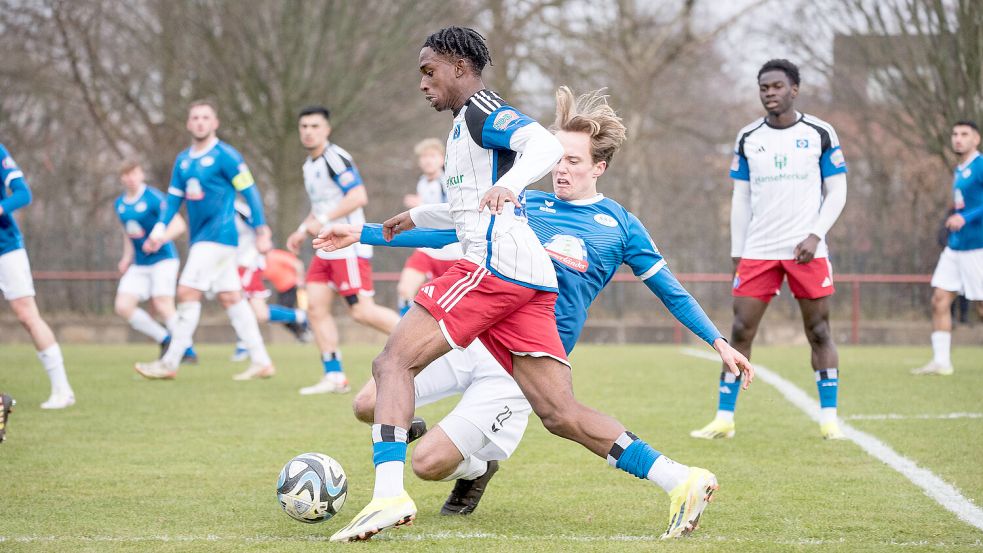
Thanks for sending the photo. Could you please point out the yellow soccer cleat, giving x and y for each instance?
(378, 515)
(718, 428)
(688, 501)
(933, 369)
(831, 431)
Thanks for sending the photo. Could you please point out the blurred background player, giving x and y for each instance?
(6, 406)
(252, 268)
(17, 284)
(146, 276)
(789, 188)
(337, 195)
(960, 267)
(426, 263)
(208, 175)
(285, 272)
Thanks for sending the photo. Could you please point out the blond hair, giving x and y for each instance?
(590, 114)
(428, 144)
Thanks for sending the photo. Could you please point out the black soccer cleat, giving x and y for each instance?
(6, 406)
(467, 493)
(417, 429)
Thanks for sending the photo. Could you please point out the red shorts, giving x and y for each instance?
(252, 283)
(348, 276)
(427, 265)
(470, 302)
(762, 278)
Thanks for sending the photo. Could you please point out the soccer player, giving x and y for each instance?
(426, 263)
(286, 273)
(789, 188)
(960, 267)
(147, 276)
(17, 285)
(588, 237)
(337, 195)
(208, 175)
(503, 287)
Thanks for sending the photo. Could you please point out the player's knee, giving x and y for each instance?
(123, 309)
(429, 464)
(364, 407)
(26, 314)
(360, 313)
(941, 301)
(818, 332)
(558, 419)
(742, 331)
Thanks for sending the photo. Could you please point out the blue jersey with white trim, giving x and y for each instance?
(209, 182)
(14, 194)
(967, 191)
(138, 218)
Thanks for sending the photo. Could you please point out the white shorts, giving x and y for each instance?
(150, 281)
(211, 267)
(960, 271)
(15, 275)
(491, 402)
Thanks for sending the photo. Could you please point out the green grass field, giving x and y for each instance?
(190, 465)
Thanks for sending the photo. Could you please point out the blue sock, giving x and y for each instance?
(404, 306)
(828, 383)
(190, 352)
(389, 456)
(632, 455)
(730, 386)
(332, 362)
(167, 341)
(281, 314)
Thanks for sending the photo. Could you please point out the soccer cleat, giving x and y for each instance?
(59, 401)
(240, 354)
(155, 370)
(718, 428)
(933, 368)
(301, 331)
(6, 406)
(330, 383)
(256, 371)
(466, 494)
(418, 427)
(831, 431)
(377, 516)
(688, 501)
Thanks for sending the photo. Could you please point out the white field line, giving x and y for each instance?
(897, 417)
(933, 486)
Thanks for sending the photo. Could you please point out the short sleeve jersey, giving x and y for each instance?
(328, 178)
(785, 168)
(967, 200)
(138, 217)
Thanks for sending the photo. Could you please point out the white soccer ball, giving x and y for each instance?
(312, 487)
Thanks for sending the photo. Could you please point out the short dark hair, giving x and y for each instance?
(315, 110)
(204, 102)
(462, 42)
(790, 69)
(967, 123)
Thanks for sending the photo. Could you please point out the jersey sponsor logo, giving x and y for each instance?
(781, 160)
(457, 134)
(605, 220)
(504, 119)
(193, 190)
(802, 143)
(568, 250)
(9, 163)
(836, 158)
(456, 180)
(140, 207)
(134, 230)
(547, 209)
(207, 161)
(244, 179)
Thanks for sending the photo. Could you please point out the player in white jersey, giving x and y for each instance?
(426, 263)
(337, 196)
(502, 292)
(789, 179)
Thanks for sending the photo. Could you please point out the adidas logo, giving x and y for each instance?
(827, 282)
(724, 390)
(428, 290)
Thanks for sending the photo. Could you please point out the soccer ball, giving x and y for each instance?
(312, 487)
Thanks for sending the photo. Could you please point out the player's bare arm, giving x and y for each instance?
(336, 237)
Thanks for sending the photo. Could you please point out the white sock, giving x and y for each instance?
(469, 469)
(725, 416)
(171, 323)
(388, 479)
(941, 344)
(668, 474)
(827, 414)
(54, 365)
(182, 334)
(141, 321)
(244, 322)
(301, 316)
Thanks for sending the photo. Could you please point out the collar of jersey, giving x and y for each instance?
(962, 166)
(193, 155)
(798, 119)
(143, 189)
(586, 201)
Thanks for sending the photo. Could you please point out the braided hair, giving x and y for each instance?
(790, 69)
(461, 42)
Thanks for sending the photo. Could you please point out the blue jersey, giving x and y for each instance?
(209, 182)
(588, 241)
(138, 219)
(967, 189)
(14, 194)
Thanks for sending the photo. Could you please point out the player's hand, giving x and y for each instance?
(264, 239)
(955, 222)
(735, 362)
(336, 237)
(123, 265)
(495, 199)
(294, 241)
(151, 245)
(397, 224)
(806, 250)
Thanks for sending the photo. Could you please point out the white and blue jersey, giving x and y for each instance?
(138, 218)
(967, 189)
(14, 194)
(209, 181)
(588, 240)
